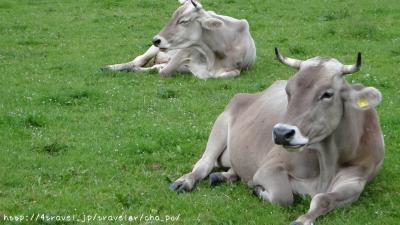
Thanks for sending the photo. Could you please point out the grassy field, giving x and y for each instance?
(76, 141)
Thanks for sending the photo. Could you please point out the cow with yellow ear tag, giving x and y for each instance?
(314, 134)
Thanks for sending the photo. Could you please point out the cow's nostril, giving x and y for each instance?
(290, 134)
(283, 135)
(156, 41)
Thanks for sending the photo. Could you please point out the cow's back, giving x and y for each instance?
(252, 117)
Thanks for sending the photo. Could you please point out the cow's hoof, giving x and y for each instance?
(180, 186)
(257, 191)
(296, 223)
(215, 179)
(105, 69)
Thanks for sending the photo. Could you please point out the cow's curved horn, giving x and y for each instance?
(347, 69)
(294, 63)
(194, 4)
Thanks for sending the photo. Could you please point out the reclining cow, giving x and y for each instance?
(198, 42)
(326, 139)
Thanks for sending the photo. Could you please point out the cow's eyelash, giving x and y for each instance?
(183, 21)
(327, 95)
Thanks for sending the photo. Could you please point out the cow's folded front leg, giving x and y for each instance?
(344, 191)
(228, 74)
(272, 184)
(129, 67)
(215, 147)
(175, 62)
(219, 177)
(157, 67)
(135, 65)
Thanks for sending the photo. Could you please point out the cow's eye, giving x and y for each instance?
(183, 21)
(327, 95)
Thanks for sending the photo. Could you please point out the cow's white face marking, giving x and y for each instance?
(163, 43)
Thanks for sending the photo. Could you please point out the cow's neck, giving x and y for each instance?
(338, 147)
(215, 41)
(327, 158)
(220, 40)
(348, 133)
(208, 54)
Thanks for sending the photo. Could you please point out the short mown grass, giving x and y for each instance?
(76, 141)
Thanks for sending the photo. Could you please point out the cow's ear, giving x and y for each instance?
(365, 98)
(211, 23)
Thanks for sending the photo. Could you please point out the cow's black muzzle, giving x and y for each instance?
(283, 135)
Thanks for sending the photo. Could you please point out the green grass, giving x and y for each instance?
(75, 141)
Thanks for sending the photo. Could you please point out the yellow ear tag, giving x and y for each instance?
(362, 102)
